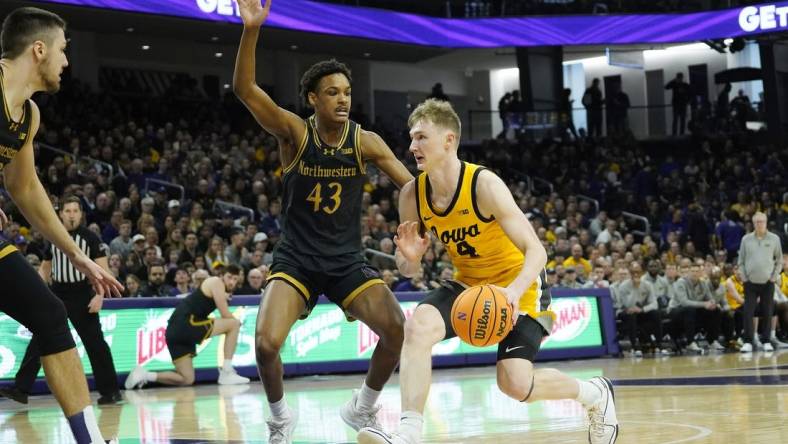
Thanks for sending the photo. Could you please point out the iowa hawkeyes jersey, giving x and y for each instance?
(478, 247)
(13, 135)
(734, 304)
(323, 186)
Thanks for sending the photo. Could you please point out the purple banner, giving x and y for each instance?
(347, 21)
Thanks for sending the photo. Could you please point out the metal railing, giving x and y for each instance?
(233, 208)
(83, 162)
(593, 201)
(643, 121)
(543, 182)
(165, 185)
(638, 218)
(373, 252)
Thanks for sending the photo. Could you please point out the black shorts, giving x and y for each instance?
(26, 298)
(522, 342)
(340, 278)
(183, 335)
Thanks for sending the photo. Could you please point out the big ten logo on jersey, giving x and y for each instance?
(151, 342)
(458, 236)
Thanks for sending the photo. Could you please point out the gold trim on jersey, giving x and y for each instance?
(359, 154)
(299, 152)
(301, 288)
(355, 293)
(428, 193)
(319, 142)
(5, 105)
(8, 249)
(203, 323)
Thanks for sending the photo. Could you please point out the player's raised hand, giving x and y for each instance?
(410, 243)
(254, 12)
(103, 282)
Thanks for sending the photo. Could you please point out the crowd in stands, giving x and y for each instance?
(698, 203)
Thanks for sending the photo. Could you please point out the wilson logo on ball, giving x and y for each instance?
(481, 316)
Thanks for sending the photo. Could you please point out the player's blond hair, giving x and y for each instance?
(439, 113)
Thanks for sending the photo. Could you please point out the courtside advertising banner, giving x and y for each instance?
(136, 336)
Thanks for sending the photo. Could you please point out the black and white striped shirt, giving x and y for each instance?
(63, 271)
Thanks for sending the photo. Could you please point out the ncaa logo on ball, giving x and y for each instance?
(462, 316)
(572, 318)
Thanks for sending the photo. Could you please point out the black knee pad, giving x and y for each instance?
(49, 324)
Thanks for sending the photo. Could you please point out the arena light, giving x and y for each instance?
(341, 20)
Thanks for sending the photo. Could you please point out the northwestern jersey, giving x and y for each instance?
(196, 306)
(321, 202)
(479, 249)
(13, 134)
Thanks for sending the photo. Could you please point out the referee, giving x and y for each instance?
(82, 305)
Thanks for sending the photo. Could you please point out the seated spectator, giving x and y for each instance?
(577, 259)
(155, 286)
(182, 282)
(694, 304)
(255, 282)
(415, 283)
(199, 276)
(236, 252)
(133, 285)
(389, 277)
(384, 262)
(636, 306)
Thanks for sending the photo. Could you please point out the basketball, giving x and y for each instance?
(481, 316)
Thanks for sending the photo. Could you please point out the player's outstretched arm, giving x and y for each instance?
(281, 123)
(22, 183)
(411, 243)
(496, 200)
(375, 150)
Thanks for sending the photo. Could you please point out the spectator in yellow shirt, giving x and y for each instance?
(577, 259)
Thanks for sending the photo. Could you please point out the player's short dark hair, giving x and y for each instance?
(24, 26)
(312, 76)
(232, 269)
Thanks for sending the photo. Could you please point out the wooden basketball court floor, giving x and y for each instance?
(723, 398)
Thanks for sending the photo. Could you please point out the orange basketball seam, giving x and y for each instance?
(495, 312)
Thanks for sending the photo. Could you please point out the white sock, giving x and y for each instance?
(367, 397)
(774, 335)
(279, 409)
(587, 393)
(93, 428)
(410, 425)
(150, 376)
(228, 365)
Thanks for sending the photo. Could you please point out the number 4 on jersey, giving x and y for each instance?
(465, 249)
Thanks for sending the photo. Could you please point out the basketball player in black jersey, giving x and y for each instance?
(33, 58)
(323, 160)
(189, 325)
